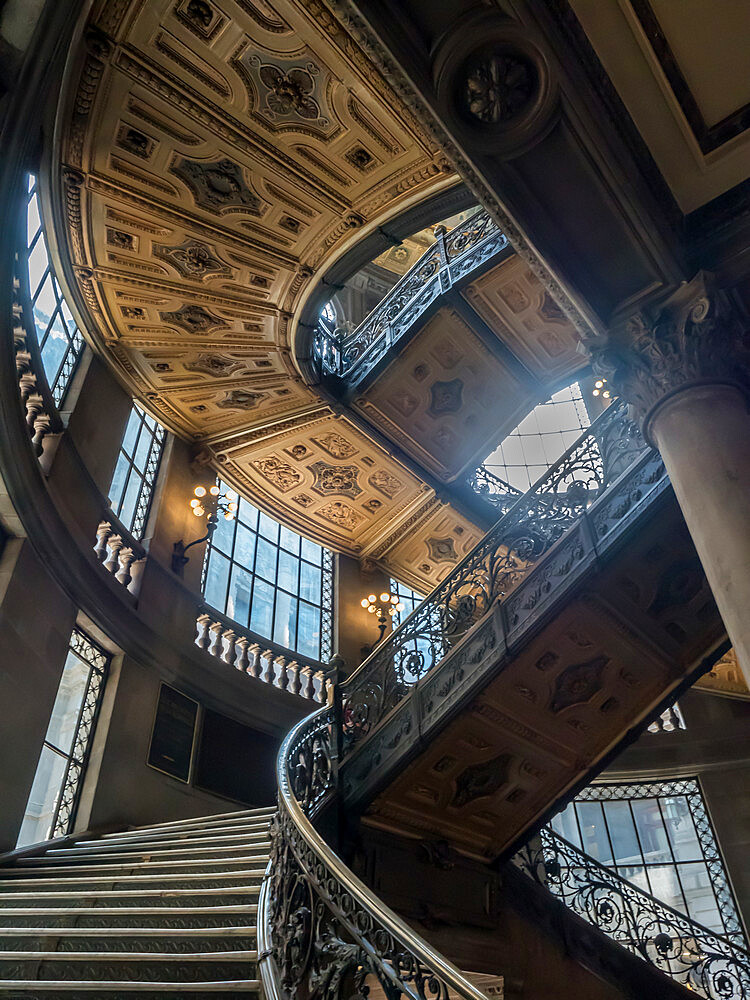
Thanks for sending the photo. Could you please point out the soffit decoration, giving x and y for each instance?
(215, 158)
(725, 677)
(681, 71)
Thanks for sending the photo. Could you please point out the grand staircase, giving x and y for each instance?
(156, 911)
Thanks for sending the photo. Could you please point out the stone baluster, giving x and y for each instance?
(306, 689)
(103, 535)
(282, 678)
(230, 649)
(294, 680)
(319, 688)
(267, 672)
(112, 563)
(330, 686)
(136, 574)
(125, 558)
(242, 660)
(255, 664)
(217, 644)
(202, 639)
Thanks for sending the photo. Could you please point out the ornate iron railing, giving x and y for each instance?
(493, 489)
(706, 962)
(453, 255)
(494, 568)
(322, 932)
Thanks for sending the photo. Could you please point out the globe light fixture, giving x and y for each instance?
(213, 504)
(385, 606)
(600, 389)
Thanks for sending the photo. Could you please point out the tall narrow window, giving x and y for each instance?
(136, 470)
(272, 580)
(55, 792)
(540, 439)
(425, 649)
(658, 836)
(60, 341)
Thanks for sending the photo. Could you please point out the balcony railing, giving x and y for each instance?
(450, 259)
(495, 567)
(706, 962)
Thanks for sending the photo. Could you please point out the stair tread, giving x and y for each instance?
(164, 877)
(123, 910)
(78, 852)
(259, 811)
(129, 956)
(118, 893)
(53, 871)
(49, 984)
(121, 932)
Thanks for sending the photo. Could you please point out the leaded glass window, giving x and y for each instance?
(135, 473)
(658, 836)
(55, 792)
(60, 341)
(271, 580)
(540, 439)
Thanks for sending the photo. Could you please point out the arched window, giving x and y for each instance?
(540, 439)
(60, 341)
(133, 482)
(271, 580)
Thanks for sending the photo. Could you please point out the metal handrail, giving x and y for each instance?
(386, 928)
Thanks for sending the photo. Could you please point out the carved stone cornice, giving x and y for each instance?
(696, 337)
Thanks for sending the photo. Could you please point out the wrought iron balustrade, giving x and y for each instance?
(706, 962)
(321, 931)
(453, 255)
(494, 489)
(494, 568)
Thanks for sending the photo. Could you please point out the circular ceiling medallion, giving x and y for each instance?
(494, 83)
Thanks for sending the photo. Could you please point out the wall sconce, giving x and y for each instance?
(213, 503)
(389, 606)
(600, 389)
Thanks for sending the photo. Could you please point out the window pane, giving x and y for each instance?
(54, 348)
(288, 571)
(309, 583)
(215, 590)
(131, 432)
(622, 832)
(699, 895)
(566, 825)
(680, 829)
(244, 546)
(265, 561)
(268, 528)
(238, 604)
(130, 499)
(44, 306)
(595, 841)
(142, 450)
(665, 885)
(261, 620)
(248, 515)
(289, 540)
(62, 724)
(224, 535)
(308, 639)
(118, 481)
(312, 552)
(285, 625)
(37, 263)
(142, 444)
(651, 831)
(45, 791)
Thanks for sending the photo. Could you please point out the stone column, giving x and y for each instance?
(685, 369)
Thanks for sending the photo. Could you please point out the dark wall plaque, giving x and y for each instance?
(173, 734)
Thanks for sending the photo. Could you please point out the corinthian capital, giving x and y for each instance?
(697, 337)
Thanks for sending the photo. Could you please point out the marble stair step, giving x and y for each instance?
(198, 833)
(92, 883)
(166, 940)
(94, 847)
(114, 990)
(257, 861)
(145, 967)
(222, 819)
(127, 859)
(130, 897)
(128, 917)
(74, 853)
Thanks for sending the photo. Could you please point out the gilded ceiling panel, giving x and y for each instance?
(522, 313)
(446, 398)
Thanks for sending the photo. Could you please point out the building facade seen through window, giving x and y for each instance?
(658, 836)
(56, 789)
(540, 439)
(133, 482)
(271, 580)
(61, 343)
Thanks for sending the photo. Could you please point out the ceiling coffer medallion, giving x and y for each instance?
(335, 479)
(578, 684)
(218, 185)
(442, 549)
(341, 514)
(499, 86)
(446, 397)
(193, 259)
(288, 93)
(335, 445)
(385, 483)
(218, 365)
(481, 780)
(194, 319)
(241, 399)
(280, 474)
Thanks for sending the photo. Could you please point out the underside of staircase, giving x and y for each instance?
(157, 911)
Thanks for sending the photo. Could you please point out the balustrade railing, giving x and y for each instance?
(322, 932)
(260, 658)
(493, 489)
(495, 567)
(453, 255)
(706, 962)
(670, 720)
(120, 553)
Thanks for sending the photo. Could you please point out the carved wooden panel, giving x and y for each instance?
(445, 398)
(520, 311)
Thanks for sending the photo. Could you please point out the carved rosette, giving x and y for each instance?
(698, 337)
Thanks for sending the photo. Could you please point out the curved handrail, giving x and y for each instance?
(452, 256)
(492, 570)
(318, 923)
(691, 954)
